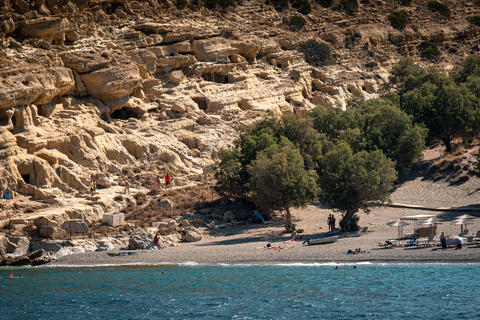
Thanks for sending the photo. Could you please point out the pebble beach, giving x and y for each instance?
(247, 244)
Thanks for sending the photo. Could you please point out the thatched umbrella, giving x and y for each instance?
(400, 224)
(462, 222)
(465, 216)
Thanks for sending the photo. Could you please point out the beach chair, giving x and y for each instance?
(361, 232)
(387, 243)
(477, 236)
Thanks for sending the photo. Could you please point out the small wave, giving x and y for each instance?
(246, 265)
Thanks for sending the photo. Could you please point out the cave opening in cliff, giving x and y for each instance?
(26, 178)
(201, 102)
(124, 114)
(4, 117)
(215, 77)
(14, 123)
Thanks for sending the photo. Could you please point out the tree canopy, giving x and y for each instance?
(449, 109)
(278, 179)
(350, 181)
(273, 164)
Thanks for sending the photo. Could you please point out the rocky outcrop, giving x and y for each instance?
(141, 239)
(88, 88)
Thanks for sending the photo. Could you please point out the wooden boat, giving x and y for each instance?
(325, 240)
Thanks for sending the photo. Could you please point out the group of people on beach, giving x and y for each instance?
(8, 194)
(350, 251)
(331, 222)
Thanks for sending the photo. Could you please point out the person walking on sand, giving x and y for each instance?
(329, 222)
(145, 162)
(8, 194)
(443, 240)
(127, 187)
(157, 181)
(333, 222)
(167, 181)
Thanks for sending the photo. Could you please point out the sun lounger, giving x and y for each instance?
(391, 243)
(386, 244)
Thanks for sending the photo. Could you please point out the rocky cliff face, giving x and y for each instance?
(88, 87)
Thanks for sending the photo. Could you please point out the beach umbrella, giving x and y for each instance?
(465, 216)
(454, 240)
(462, 223)
(400, 224)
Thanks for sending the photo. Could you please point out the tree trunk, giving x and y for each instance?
(289, 225)
(448, 144)
(347, 223)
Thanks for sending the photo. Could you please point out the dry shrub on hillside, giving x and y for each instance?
(447, 163)
(147, 209)
(461, 178)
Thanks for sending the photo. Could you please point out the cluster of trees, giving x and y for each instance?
(448, 105)
(350, 159)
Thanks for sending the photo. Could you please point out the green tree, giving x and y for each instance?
(373, 124)
(447, 109)
(231, 176)
(470, 67)
(388, 128)
(262, 145)
(278, 180)
(352, 181)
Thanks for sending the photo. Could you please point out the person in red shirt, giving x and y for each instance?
(167, 180)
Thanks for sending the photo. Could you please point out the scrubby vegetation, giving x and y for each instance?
(351, 6)
(295, 75)
(475, 20)
(440, 7)
(398, 19)
(303, 6)
(298, 22)
(429, 50)
(324, 3)
(406, 2)
(220, 4)
(318, 54)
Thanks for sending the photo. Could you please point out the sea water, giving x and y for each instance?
(290, 291)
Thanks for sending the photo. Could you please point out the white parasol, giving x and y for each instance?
(462, 223)
(400, 224)
(465, 216)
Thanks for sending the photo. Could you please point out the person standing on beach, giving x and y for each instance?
(329, 222)
(167, 180)
(443, 240)
(127, 186)
(156, 240)
(333, 222)
(8, 194)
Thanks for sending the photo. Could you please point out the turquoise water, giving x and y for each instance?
(371, 291)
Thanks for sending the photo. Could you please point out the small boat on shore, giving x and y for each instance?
(324, 240)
